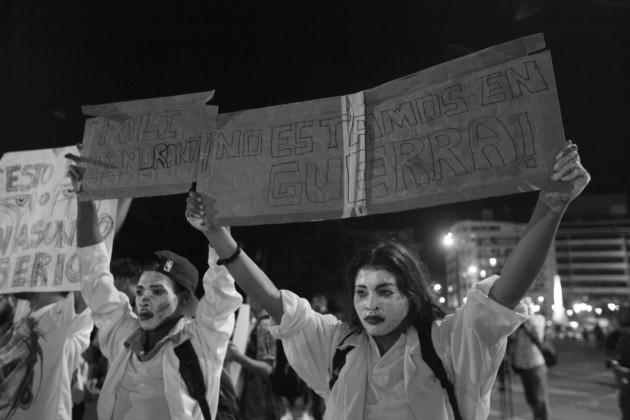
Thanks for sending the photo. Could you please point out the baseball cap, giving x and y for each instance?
(174, 266)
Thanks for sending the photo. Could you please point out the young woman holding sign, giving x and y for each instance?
(378, 365)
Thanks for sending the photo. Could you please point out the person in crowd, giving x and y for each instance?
(621, 362)
(257, 400)
(529, 363)
(39, 354)
(144, 380)
(384, 374)
(40, 349)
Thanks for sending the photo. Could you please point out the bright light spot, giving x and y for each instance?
(536, 308)
(574, 324)
(569, 312)
(598, 311)
(492, 261)
(472, 269)
(442, 299)
(483, 273)
(437, 287)
(540, 299)
(613, 307)
(448, 239)
(450, 289)
(582, 307)
(465, 299)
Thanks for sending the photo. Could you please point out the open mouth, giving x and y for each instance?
(143, 316)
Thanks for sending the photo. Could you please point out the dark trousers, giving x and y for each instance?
(535, 387)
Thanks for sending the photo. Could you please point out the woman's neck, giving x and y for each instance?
(387, 341)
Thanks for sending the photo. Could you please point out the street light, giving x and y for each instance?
(448, 239)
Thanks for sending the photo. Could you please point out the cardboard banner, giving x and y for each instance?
(146, 148)
(483, 125)
(38, 222)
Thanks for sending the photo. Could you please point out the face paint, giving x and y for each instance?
(381, 307)
(156, 300)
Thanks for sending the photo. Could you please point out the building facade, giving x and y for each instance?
(593, 262)
(479, 249)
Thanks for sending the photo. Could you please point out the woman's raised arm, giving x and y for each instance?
(530, 253)
(245, 271)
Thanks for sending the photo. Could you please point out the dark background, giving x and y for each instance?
(60, 55)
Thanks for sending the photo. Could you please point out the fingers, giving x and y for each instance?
(567, 162)
(194, 205)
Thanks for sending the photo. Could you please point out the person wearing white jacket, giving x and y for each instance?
(143, 380)
(385, 374)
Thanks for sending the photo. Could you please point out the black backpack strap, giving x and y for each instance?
(339, 360)
(191, 374)
(431, 358)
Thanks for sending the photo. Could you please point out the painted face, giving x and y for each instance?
(378, 302)
(156, 300)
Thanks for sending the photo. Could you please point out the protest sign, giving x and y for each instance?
(38, 222)
(483, 125)
(147, 147)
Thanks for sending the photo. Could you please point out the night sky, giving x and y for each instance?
(61, 55)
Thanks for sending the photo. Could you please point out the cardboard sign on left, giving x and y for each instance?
(38, 222)
(148, 147)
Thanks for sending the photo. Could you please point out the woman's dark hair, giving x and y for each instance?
(412, 279)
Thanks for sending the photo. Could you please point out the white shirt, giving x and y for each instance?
(471, 344)
(140, 394)
(386, 396)
(65, 335)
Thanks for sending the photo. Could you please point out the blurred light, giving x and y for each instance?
(569, 312)
(465, 299)
(582, 307)
(450, 289)
(598, 311)
(472, 269)
(448, 239)
(574, 324)
(482, 273)
(492, 261)
(612, 307)
(536, 308)
(437, 287)
(442, 299)
(540, 299)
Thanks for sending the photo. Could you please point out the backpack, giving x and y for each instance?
(285, 382)
(429, 355)
(193, 378)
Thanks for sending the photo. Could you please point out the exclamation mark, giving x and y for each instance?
(528, 140)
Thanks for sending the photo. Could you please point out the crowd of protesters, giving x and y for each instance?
(137, 339)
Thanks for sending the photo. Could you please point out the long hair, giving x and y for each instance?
(412, 279)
